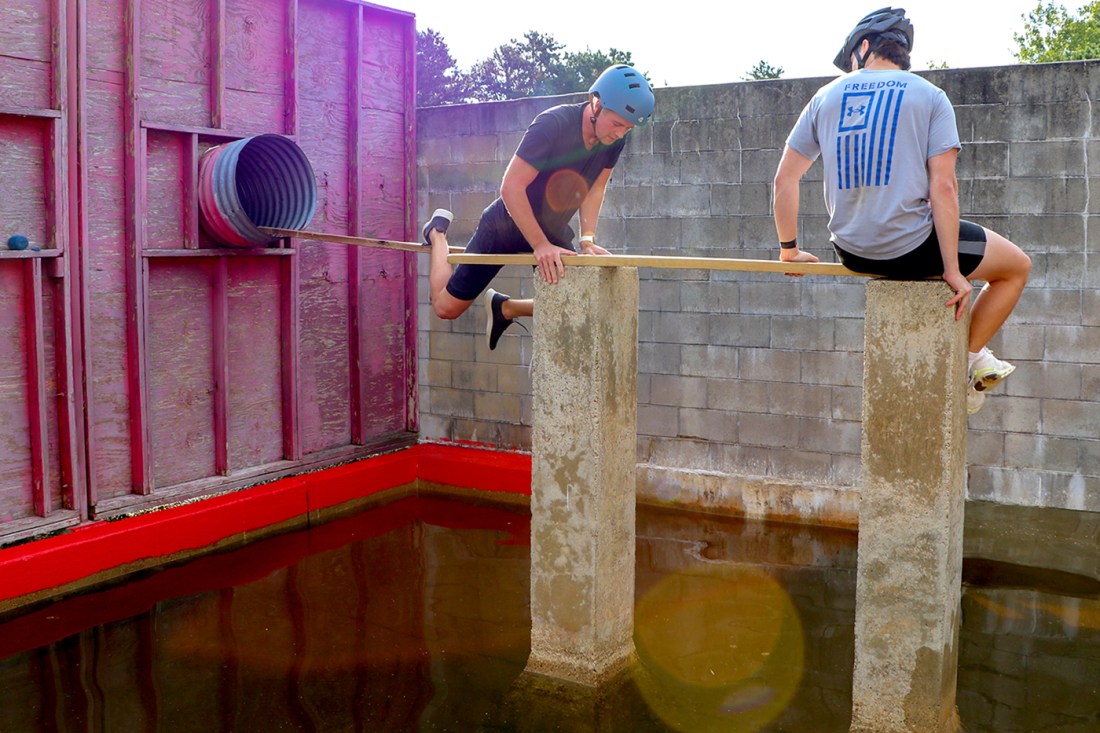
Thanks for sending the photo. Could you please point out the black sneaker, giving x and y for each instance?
(495, 322)
(440, 220)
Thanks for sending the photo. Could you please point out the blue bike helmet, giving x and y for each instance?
(885, 24)
(625, 92)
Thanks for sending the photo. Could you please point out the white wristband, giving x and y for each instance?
(590, 238)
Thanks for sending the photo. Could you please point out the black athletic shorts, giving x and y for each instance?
(494, 235)
(925, 261)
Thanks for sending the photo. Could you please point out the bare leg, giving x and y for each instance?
(516, 308)
(1006, 268)
(444, 304)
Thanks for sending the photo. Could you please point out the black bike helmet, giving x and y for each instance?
(886, 24)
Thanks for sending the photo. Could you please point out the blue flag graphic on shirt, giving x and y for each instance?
(865, 137)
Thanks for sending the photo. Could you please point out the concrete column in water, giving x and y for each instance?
(911, 510)
(585, 370)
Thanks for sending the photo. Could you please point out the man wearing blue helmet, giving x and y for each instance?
(562, 166)
(888, 143)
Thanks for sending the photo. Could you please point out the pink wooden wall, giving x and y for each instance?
(142, 363)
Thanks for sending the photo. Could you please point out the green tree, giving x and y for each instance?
(529, 68)
(1052, 34)
(763, 70)
(582, 68)
(438, 78)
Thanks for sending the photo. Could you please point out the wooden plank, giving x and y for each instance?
(219, 297)
(134, 165)
(190, 192)
(36, 384)
(290, 348)
(24, 84)
(180, 362)
(674, 263)
(11, 112)
(16, 495)
(76, 286)
(355, 203)
(412, 372)
(357, 241)
(26, 150)
(255, 416)
(290, 70)
(104, 247)
(165, 177)
(224, 252)
(217, 63)
(25, 30)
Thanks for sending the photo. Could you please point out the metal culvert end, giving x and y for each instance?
(261, 181)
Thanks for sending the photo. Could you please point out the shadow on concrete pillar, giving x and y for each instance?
(584, 385)
(911, 510)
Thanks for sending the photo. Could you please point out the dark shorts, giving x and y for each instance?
(925, 261)
(493, 236)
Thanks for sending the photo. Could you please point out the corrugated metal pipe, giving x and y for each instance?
(261, 181)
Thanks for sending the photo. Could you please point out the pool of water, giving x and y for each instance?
(414, 616)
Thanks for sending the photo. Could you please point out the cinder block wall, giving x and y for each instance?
(753, 381)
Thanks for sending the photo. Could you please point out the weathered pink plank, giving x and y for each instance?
(355, 162)
(25, 29)
(36, 383)
(384, 68)
(254, 362)
(219, 337)
(135, 144)
(15, 450)
(254, 34)
(175, 41)
(105, 30)
(23, 145)
(104, 204)
(290, 353)
(216, 54)
(290, 70)
(181, 380)
(166, 171)
(323, 53)
(190, 189)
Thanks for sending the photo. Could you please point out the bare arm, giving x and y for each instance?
(788, 183)
(513, 191)
(590, 212)
(944, 197)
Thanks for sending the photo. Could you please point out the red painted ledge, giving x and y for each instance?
(94, 548)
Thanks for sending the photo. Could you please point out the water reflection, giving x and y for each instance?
(415, 616)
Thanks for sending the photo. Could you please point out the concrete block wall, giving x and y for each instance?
(754, 378)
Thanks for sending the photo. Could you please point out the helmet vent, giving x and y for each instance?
(635, 86)
(630, 109)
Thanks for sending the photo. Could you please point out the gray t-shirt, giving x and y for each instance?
(875, 131)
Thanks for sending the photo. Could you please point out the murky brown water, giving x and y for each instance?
(414, 617)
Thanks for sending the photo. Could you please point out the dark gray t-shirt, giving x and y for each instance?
(874, 132)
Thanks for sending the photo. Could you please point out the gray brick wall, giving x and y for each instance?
(759, 375)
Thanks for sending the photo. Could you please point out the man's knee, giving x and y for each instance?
(449, 308)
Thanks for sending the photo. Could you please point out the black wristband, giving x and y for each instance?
(789, 245)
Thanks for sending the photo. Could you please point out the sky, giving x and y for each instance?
(695, 42)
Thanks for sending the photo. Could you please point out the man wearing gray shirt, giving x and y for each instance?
(888, 143)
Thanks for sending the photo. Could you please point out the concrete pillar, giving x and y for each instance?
(911, 510)
(584, 418)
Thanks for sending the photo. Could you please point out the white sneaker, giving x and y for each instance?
(987, 370)
(974, 399)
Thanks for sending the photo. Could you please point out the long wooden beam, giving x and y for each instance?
(460, 256)
(357, 241)
(668, 263)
